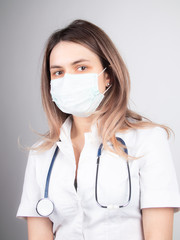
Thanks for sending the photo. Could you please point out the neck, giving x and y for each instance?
(80, 125)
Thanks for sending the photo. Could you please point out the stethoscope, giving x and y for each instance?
(45, 206)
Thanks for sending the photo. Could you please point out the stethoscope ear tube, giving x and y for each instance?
(112, 206)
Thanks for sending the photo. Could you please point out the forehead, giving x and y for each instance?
(68, 52)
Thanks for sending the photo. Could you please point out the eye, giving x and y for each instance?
(58, 73)
(82, 68)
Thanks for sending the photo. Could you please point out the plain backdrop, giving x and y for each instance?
(147, 34)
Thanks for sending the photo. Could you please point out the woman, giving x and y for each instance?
(132, 193)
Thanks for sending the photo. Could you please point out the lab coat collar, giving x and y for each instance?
(65, 132)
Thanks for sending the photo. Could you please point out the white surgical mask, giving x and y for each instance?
(77, 94)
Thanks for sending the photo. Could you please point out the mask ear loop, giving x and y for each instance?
(109, 86)
(107, 89)
(102, 71)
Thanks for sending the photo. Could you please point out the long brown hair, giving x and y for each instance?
(113, 113)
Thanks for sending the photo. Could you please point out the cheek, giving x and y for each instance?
(101, 84)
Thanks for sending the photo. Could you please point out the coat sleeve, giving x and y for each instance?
(158, 180)
(31, 191)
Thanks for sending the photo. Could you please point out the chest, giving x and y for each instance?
(112, 184)
(77, 145)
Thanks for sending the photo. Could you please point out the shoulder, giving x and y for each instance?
(139, 140)
(38, 163)
(153, 134)
(40, 157)
(143, 133)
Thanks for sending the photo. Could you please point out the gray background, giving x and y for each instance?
(147, 34)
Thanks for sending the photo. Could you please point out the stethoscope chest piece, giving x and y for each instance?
(44, 207)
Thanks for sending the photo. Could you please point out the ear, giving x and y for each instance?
(107, 78)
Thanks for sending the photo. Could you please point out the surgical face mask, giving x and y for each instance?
(77, 94)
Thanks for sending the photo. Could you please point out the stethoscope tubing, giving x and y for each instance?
(47, 202)
(49, 173)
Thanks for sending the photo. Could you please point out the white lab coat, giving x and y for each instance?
(77, 215)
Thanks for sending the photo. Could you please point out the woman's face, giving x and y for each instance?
(73, 58)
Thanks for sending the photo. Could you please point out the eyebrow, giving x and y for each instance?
(73, 63)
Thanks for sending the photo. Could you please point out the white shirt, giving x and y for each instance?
(77, 215)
